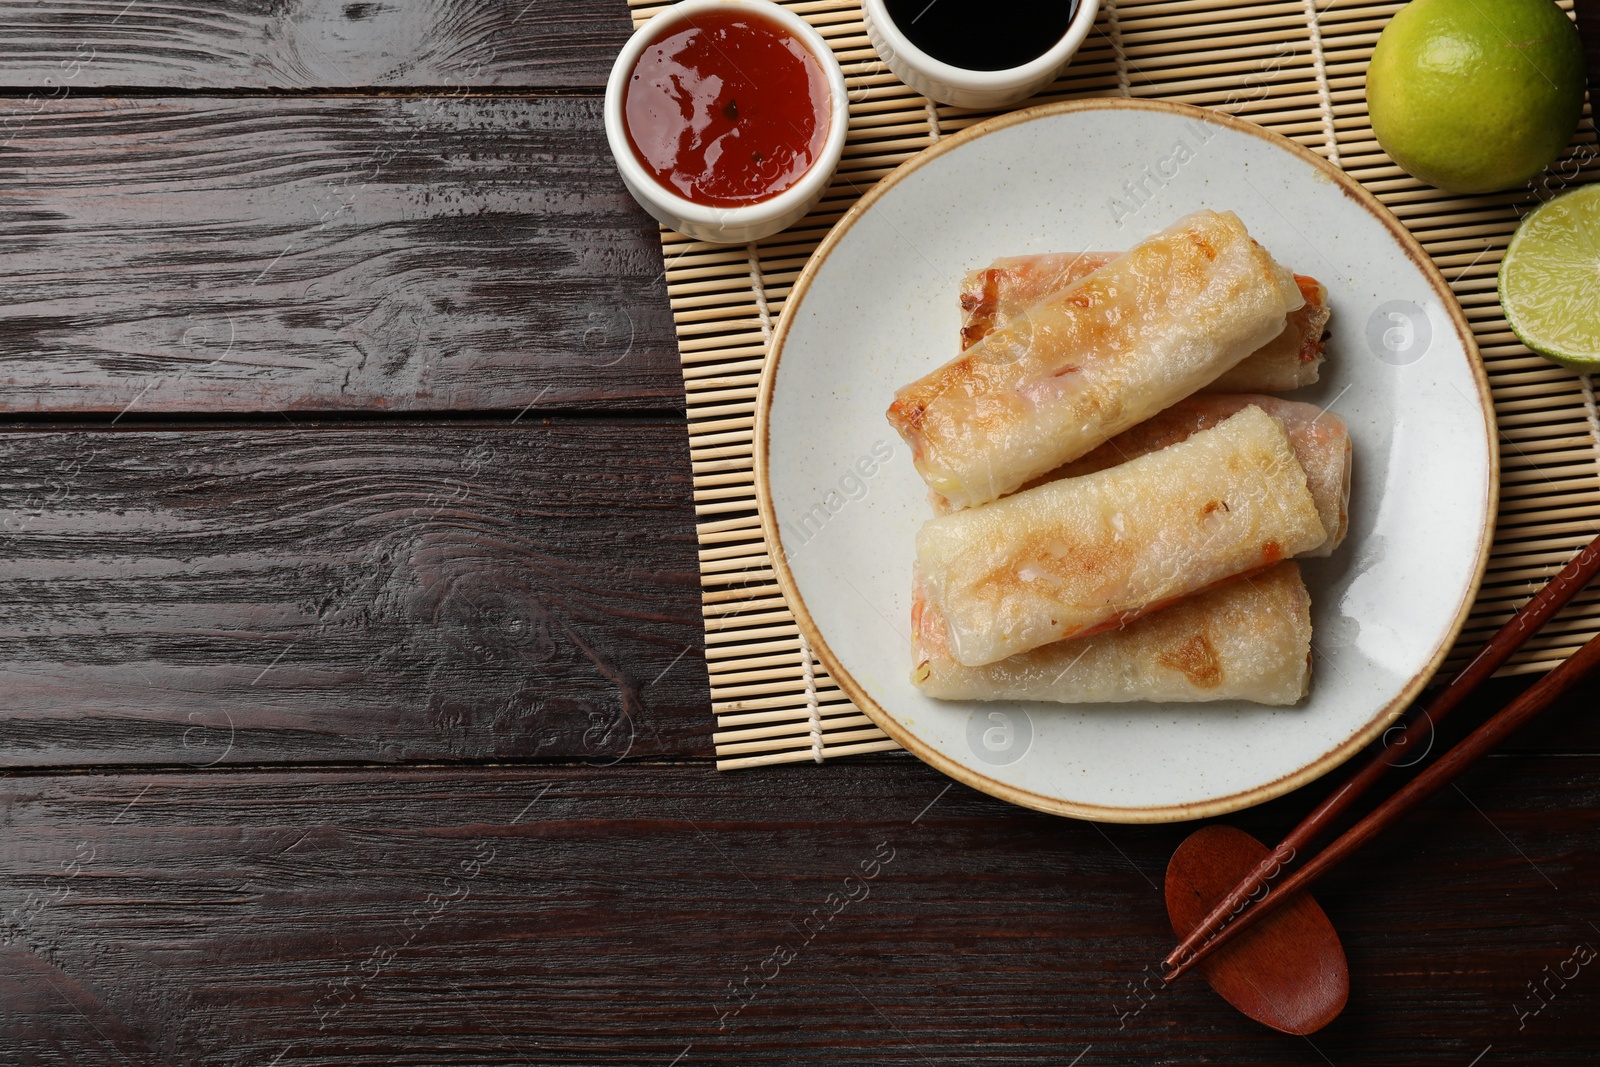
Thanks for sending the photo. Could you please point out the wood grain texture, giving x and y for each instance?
(560, 916)
(81, 45)
(326, 254)
(365, 593)
(1568, 726)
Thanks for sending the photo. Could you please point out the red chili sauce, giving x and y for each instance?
(728, 110)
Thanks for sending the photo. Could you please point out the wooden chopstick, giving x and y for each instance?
(1446, 769)
(1209, 933)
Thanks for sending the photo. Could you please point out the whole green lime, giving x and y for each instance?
(1474, 96)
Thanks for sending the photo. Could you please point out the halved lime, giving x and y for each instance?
(1550, 280)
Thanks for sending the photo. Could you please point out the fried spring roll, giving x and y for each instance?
(1320, 440)
(1157, 323)
(1074, 557)
(993, 296)
(1245, 640)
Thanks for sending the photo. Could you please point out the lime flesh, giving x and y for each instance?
(1474, 96)
(1550, 280)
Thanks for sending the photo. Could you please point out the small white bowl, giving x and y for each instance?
(747, 222)
(960, 87)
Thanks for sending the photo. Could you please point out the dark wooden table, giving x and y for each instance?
(352, 699)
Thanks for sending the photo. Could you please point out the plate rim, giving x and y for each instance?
(886, 721)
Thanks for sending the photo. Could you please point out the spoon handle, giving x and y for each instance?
(1446, 769)
(1512, 636)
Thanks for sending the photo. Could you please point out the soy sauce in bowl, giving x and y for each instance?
(983, 34)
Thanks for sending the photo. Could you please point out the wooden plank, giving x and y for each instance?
(567, 915)
(1568, 726)
(350, 593)
(83, 45)
(374, 592)
(1587, 13)
(326, 254)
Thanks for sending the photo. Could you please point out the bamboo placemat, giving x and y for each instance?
(1297, 67)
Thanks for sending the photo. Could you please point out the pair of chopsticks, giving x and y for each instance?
(1234, 914)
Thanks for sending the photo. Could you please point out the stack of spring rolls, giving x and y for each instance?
(1118, 505)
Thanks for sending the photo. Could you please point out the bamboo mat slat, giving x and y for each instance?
(1297, 67)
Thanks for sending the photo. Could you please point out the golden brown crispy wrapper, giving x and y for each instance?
(1159, 322)
(1073, 557)
(1248, 639)
(992, 296)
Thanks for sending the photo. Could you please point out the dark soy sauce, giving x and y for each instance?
(983, 34)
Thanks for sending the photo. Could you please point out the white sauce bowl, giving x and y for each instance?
(747, 222)
(960, 87)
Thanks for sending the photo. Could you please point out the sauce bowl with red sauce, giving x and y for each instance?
(726, 118)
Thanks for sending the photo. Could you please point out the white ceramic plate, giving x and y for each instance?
(877, 307)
